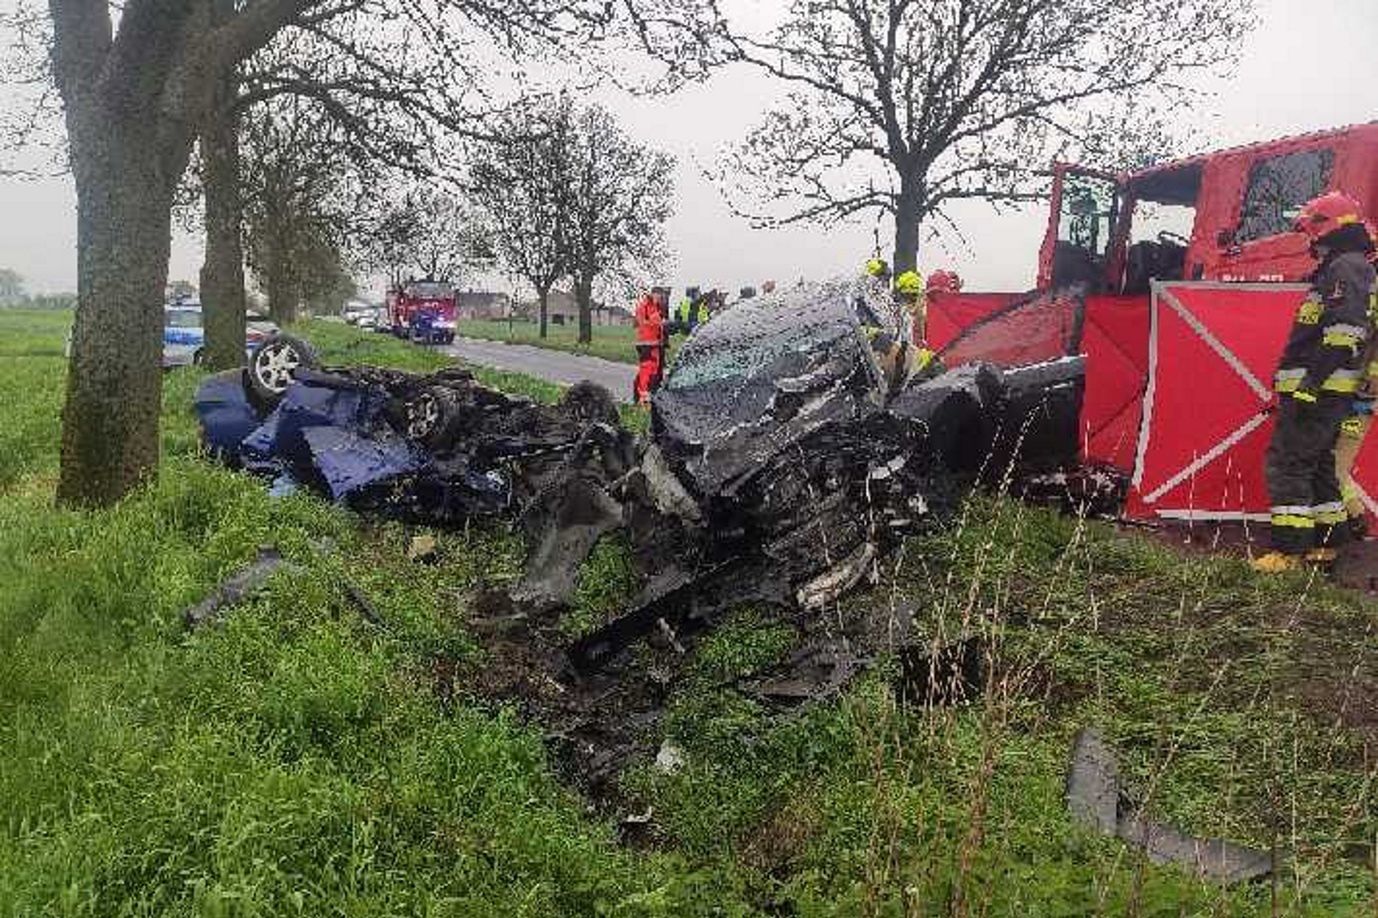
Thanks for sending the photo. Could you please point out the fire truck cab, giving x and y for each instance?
(1164, 297)
(1223, 216)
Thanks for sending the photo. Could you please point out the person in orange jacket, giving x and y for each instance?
(662, 298)
(650, 346)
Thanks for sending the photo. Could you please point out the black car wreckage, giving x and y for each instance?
(785, 458)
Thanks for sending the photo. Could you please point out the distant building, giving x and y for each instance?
(564, 310)
(479, 304)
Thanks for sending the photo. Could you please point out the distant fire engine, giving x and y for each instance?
(423, 310)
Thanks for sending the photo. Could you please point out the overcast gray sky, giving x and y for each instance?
(1311, 64)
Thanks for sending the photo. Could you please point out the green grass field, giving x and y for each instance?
(298, 761)
(611, 342)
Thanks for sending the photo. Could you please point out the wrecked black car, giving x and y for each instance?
(784, 458)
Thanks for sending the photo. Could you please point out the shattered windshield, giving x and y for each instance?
(429, 290)
(761, 334)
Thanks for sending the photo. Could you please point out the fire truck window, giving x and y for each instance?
(429, 290)
(1152, 219)
(1278, 187)
(1089, 208)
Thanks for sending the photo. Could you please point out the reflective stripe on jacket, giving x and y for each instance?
(691, 315)
(1330, 334)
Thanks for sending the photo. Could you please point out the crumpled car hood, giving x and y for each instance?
(758, 379)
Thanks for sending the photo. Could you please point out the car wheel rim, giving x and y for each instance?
(276, 366)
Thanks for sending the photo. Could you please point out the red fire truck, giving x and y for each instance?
(1177, 286)
(424, 311)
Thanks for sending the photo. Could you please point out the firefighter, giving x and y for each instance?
(650, 334)
(1356, 427)
(940, 284)
(692, 311)
(911, 294)
(873, 291)
(687, 313)
(1316, 381)
(899, 359)
(662, 298)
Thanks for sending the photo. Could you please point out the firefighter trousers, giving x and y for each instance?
(1352, 434)
(650, 365)
(1308, 510)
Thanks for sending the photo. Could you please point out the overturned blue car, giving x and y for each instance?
(439, 448)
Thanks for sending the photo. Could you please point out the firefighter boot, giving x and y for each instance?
(1275, 562)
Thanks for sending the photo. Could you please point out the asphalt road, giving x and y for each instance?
(555, 366)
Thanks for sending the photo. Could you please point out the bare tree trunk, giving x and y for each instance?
(907, 226)
(283, 292)
(543, 297)
(222, 275)
(583, 295)
(125, 173)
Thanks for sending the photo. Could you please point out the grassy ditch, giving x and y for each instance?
(300, 759)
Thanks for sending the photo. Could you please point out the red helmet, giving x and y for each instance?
(944, 282)
(1324, 215)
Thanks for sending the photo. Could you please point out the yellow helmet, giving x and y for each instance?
(910, 283)
(877, 267)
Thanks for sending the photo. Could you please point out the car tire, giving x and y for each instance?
(430, 415)
(274, 364)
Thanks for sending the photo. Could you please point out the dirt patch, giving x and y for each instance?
(775, 846)
(1355, 569)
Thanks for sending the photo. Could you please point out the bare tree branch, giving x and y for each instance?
(955, 99)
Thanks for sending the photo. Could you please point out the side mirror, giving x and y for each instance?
(1225, 238)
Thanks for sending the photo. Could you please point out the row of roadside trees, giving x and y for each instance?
(566, 194)
(895, 106)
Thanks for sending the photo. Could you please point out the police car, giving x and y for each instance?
(184, 334)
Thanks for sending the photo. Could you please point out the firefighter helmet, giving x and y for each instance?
(910, 283)
(877, 267)
(944, 282)
(1324, 215)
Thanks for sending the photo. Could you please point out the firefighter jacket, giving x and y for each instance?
(692, 313)
(650, 324)
(1325, 352)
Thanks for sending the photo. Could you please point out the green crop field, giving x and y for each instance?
(299, 760)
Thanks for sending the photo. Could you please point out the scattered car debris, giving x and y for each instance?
(237, 588)
(424, 549)
(811, 674)
(367, 610)
(783, 463)
(1096, 799)
(637, 829)
(670, 758)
